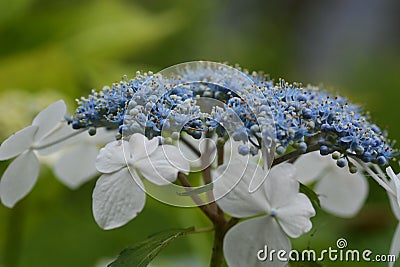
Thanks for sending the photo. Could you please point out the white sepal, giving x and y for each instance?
(243, 243)
(117, 199)
(77, 165)
(17, 143)
(19, 178)
(48, 119)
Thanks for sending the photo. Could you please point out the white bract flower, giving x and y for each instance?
(119, 193)
(394, 184)
(284, 211)
(340, 192)
(74, 164)
(21, 175)
(206, 149)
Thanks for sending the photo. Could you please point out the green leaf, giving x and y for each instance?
(142, 253)
(310, 194)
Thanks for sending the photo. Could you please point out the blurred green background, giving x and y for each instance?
(61, 49)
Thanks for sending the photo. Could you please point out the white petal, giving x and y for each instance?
(394, 183)
(72, 136)
(310, 166)
(102, 136)
(395, 246)
(163, 165)
(268, 154)
(63, 132)
(280, 186)
(342, 193)
(206, 148)
(231, 189)
(395, 206)
(174, 157)
(112, 158)
(243, 242)
(77, 165)
(17, 143)
(141, 147)
(295, 217)
(19, 178)
(117, 199)
(48, 118)
(187, 152)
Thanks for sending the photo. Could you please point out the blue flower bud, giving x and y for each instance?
(324, 150)
(302, 146)
(381, 160)
(243, 150)
(341, 162)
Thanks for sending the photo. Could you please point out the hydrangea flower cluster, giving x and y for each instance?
(225, 117)
(254, 109)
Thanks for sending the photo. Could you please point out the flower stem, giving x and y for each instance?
(221, 227)
(190, 146)
(376, 177)
(205, 208)
(220, 154)
(217, 257)
(58, 140)
(220, 224)
(294, 154)
(216, 215)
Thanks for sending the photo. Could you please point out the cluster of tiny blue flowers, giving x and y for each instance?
(105, 108)
(248, 107)
(308, 116)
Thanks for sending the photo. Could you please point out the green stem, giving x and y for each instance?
(220, 153)
(59, 140)
(221, 227)
(207, 178)
(217, 257)
(199, 202)
(190, 146)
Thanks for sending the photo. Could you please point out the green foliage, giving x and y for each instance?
(142, 253)
(70, 47)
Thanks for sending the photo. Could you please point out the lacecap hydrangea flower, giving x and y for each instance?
(280, 209)
(253, 110)
(21, 175)
(269, 124)
(119, 194)
(74, 163)
(351, 189)
(304, 118)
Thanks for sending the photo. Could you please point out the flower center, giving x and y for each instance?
(273, 212)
